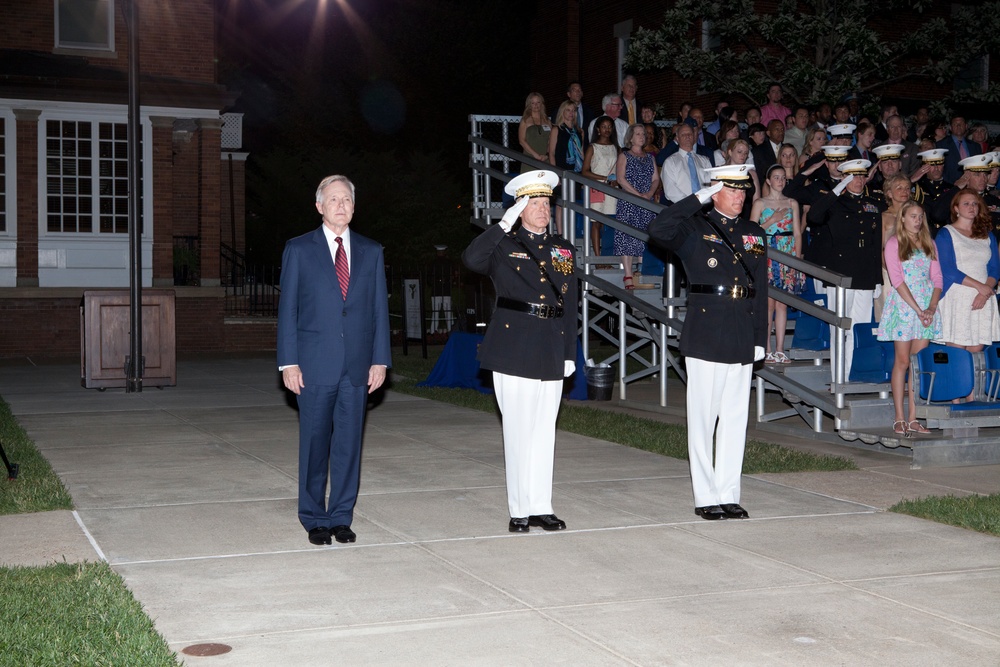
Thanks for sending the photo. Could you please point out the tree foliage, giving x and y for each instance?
(817, 49)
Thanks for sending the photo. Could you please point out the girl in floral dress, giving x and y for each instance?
(909, 317)
(779, 216)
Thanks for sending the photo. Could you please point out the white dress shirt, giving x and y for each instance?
(676, 178)
(331, 240)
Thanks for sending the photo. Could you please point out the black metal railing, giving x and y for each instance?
(252, 290)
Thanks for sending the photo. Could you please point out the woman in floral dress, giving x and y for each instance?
(909, 316)
(778, 215)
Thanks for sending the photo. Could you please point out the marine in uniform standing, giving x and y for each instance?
(931, 185)
(530, 344)
(725, 328)
(854, 221)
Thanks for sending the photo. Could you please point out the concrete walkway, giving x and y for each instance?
(189, 492)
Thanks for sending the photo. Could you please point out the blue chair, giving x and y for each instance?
(812, 333)
(873, 359)
(943, 373)
(991, 371)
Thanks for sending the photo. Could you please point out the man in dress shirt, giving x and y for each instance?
(630, 105)
(773, 109)
(612, 106)
(909, 161)
(714, 127)
(958, 149)
(702, 138)
(796, 134)
(333, 350)
(683, 172)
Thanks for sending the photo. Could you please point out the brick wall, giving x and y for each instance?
(176, 38)
(45, 323)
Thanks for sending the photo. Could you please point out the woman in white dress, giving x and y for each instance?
(599, 162)
(970, 267)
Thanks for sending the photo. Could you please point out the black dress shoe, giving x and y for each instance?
(343, 534)
(547, 521)
(734, 511)
(711, 512)
(518, 525)
(320, 536)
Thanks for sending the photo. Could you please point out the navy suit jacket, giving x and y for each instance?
(952, 172)
(320, 331)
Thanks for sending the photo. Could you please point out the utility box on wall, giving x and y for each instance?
(104, 338)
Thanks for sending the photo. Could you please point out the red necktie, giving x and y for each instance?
(343, 271)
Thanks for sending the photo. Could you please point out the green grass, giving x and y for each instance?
(37, 488)
(637, 432)
(74, 614)
(979, 513)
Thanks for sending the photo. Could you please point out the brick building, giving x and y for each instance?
(63, 169)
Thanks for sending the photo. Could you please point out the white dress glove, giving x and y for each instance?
(705, 194)
(511, 215)
(878, 291)
(569, 367)
(843, 184)
(758, 352)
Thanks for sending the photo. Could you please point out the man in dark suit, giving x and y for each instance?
(958, 149)
(766, 154)
(530, 344)
(584, 114)
(725, 259)
(333, 350)
(631, 108)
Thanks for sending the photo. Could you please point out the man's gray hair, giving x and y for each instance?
(333, 179)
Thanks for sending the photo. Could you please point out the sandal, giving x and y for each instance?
(899, 428)
(769, 358)
(916, 427)
(628, 283)
(781, 358)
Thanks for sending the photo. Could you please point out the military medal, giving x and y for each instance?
(712, 262)
(562, 260)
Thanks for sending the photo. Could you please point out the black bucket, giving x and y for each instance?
(600, 382)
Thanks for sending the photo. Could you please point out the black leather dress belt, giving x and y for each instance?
(541, 310)
(731, 291)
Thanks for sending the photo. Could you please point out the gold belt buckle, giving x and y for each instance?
(738, 292)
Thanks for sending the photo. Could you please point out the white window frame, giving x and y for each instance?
(84, 46)
(622, 33)
(92, 259)
(10, 171)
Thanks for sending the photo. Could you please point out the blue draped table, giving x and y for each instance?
(458, 368)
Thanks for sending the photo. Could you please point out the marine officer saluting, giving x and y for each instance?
(725, 329)
(530, 344)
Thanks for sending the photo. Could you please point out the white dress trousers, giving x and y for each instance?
(717, 392)
(529, 409)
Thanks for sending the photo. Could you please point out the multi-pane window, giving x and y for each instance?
(86, 165)
(85, 24)
(4, 181)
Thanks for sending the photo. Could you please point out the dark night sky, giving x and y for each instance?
(374, 73)
(379, 90)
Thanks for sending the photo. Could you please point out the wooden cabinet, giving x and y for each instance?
(104, 338)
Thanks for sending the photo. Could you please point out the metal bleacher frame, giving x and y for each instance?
(644, 325)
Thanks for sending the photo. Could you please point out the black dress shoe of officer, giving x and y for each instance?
(547, 522)
(518, 525)
(711, 512)
(343, 534)
(734, 511)
(320, 536)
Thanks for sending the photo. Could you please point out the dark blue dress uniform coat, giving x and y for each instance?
(717, 328)
(854, 224)
(518, 343)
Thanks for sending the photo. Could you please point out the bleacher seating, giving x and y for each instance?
(811, 333)
(873, 359)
